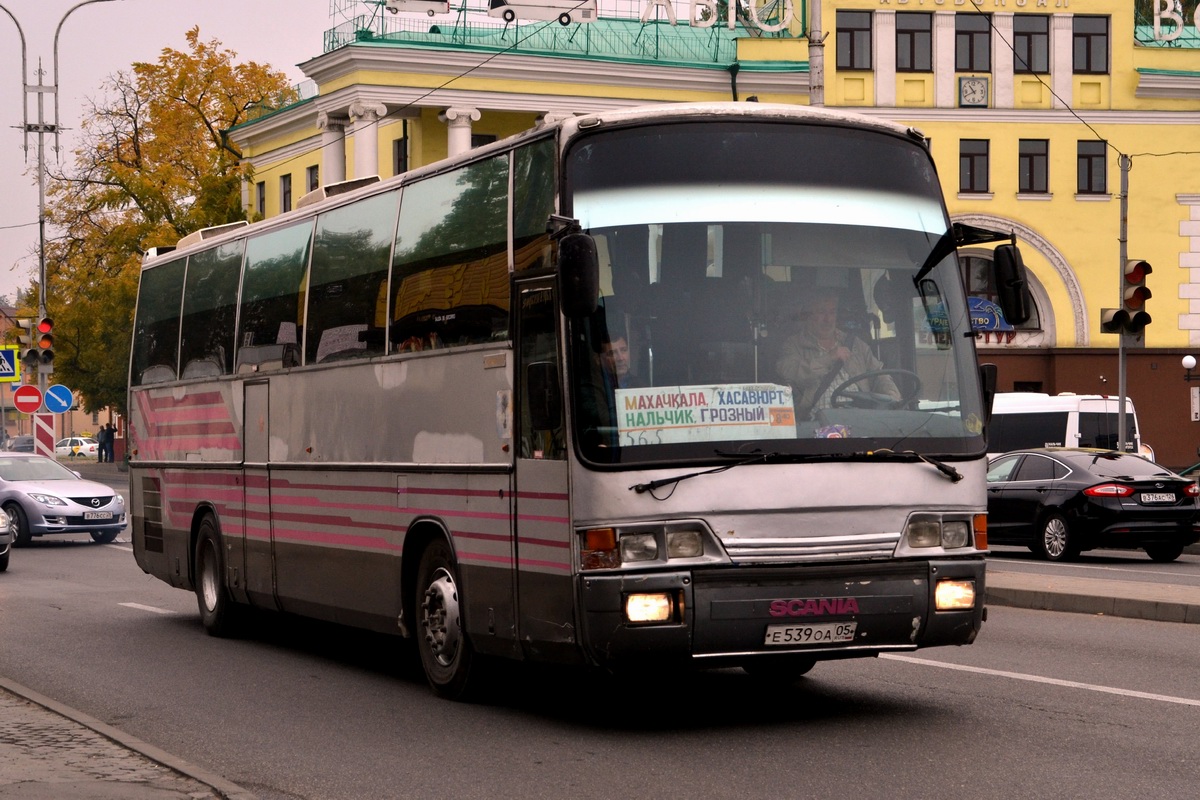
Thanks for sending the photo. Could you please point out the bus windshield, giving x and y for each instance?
(763, 291)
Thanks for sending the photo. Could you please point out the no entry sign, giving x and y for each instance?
(27, 398)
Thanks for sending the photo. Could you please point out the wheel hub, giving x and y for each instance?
(439, 617)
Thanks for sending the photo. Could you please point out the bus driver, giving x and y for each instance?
(821, 357)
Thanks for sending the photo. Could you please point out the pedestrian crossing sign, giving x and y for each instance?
(10, 364)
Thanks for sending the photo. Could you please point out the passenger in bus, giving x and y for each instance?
(611, 370)
(618, 367)
(820, 357)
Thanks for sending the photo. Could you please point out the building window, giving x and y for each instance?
(260, 198)
(313, 178)
(480, 139)
(285, 193)
(914, 42)
(973, 42)
(400, 150)
(973, 165)
(854, 40)
(1093, 168)
(1090, 42)
(1033, 164)
(1031, 43)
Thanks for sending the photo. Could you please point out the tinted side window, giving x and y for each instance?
(450, 275)
(273, 298)
(1099, 429)
(1036, 468)
(1020, 431)
(210, 311)
(156, 330)
(348, 280)
(533, 203)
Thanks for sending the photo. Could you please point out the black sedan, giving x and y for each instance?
(1059, 502)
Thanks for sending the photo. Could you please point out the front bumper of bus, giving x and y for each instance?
(715, 616)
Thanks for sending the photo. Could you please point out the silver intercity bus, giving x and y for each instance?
(690, 384)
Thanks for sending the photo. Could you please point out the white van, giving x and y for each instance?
(1029, 419)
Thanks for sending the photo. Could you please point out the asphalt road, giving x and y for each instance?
(1044, 705)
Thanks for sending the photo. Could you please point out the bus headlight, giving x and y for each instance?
(639, 547)
(934, 530)
(954, 595)
(656, 607)
(684, 544)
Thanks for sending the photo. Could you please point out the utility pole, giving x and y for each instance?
(1124, 162)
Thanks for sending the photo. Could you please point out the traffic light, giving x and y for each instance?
(1132, 316)
(26, 334)
(45, 340)
(1135, 293)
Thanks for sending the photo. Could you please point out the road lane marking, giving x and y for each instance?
(152, 609)
(1091, 687)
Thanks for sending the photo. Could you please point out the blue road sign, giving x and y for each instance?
(58, 399)
(10, 365)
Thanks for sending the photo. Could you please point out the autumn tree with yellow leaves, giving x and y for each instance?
(152, 165)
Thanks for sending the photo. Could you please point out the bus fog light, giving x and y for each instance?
(955, 533)
(639, 547)
(954, 595)
(648, 607)
(924, 532)
(685, 544)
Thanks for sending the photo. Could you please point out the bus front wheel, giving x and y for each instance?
(219, 613)
(446, 653)
(564, 19)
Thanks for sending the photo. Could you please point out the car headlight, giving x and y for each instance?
(47, 499)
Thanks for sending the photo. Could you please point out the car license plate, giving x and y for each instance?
(1158, 497)
(97, 515)
(821, 633)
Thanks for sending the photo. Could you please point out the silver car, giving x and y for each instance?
(6, 539)
(43, 497)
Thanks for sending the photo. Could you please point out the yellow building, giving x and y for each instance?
(1032, 108)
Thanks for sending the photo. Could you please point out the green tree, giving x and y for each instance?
(153, 165)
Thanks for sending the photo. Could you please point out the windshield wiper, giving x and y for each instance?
(906, 455)
(642, 488)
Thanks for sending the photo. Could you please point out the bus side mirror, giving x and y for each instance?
(1012, 284)
(578, 275)
(545, 398)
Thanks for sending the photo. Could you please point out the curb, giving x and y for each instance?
(1157, 602)
(222, 787)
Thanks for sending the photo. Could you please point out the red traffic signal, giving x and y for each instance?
(45, 340)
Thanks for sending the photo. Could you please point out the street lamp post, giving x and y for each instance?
(41, 128)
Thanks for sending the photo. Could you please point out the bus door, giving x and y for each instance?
(259, 560)
(542, 518)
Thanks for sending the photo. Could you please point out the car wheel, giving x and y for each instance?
(446, 653)
(779, 669)
(104, 537)
(1164, 552)
(21, 523)
(219, 613)
(1055, 542)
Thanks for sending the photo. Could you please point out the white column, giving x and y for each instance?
(884, 58)
(945, 88)
(1003, 79)
(551, 117)
(1062, 62)
(366, 137)
(333, 146)
(458, 134)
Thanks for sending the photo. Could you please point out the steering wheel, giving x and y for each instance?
(842, 397)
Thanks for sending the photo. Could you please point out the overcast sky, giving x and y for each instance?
(99, 40)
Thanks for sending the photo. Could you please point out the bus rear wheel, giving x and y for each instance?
(219, 613)
(446, 652)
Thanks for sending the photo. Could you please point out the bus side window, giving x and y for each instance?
(273, 299)
(210, 311)
(349, 264)
(450, 278)
(156, 330)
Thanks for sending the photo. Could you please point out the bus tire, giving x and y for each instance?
(4, 557)
(779, 669)
(564, 19)
(220, 615)
(23, 536)
(509, 15)
(446, 652)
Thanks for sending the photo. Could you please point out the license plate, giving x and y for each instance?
(97, 515)
(822, 633)
(1158, 497)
